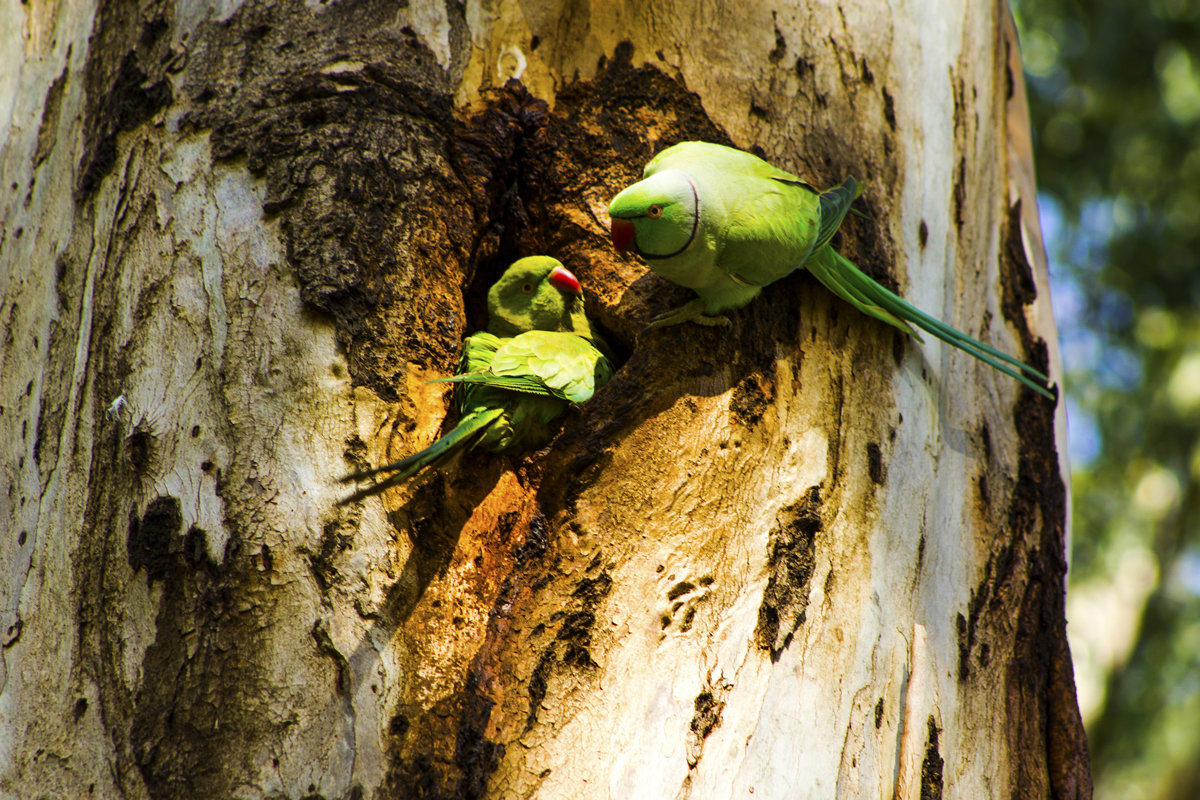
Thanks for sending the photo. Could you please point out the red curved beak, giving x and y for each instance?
(623, 234)
(564, 281)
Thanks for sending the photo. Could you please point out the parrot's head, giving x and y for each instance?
(536, 294)
(656, 217)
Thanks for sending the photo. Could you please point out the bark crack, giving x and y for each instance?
(791, 559)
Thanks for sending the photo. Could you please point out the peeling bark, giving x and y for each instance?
(805, 557)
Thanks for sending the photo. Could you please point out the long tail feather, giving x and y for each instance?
(463, 436)
(829, 273)
(849, 282)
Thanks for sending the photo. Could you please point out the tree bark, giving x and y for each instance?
(805, 557)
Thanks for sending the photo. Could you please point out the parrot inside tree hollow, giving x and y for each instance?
(538, 355)
(725, 223)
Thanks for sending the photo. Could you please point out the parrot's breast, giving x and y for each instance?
(696, 267)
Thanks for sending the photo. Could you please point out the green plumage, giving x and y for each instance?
(726, 223)
(537, 357)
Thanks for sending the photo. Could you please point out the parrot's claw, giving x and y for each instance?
(719, 321)
(691, 312)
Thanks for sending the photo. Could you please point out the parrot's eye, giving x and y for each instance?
(527, 288)
(654, 212)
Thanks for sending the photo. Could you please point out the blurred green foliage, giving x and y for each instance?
(1114, 90)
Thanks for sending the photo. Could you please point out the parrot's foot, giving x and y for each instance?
(719, 321)
(691, 312)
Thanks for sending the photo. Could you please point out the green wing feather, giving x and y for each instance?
(834, 205)
(478, 351)
(545, 363)
(769, 230)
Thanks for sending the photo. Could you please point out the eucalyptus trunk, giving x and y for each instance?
(802, 557)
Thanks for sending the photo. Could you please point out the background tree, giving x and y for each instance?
(805, 556)
(1116, 106)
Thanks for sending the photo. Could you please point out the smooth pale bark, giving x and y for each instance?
(805, 557)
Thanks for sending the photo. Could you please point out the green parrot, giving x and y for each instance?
(726, 223)
(538, 355)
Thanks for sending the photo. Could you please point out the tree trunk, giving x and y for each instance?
(804, 557)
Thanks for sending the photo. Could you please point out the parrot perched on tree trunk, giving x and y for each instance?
(538, 355)
(726, 223)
